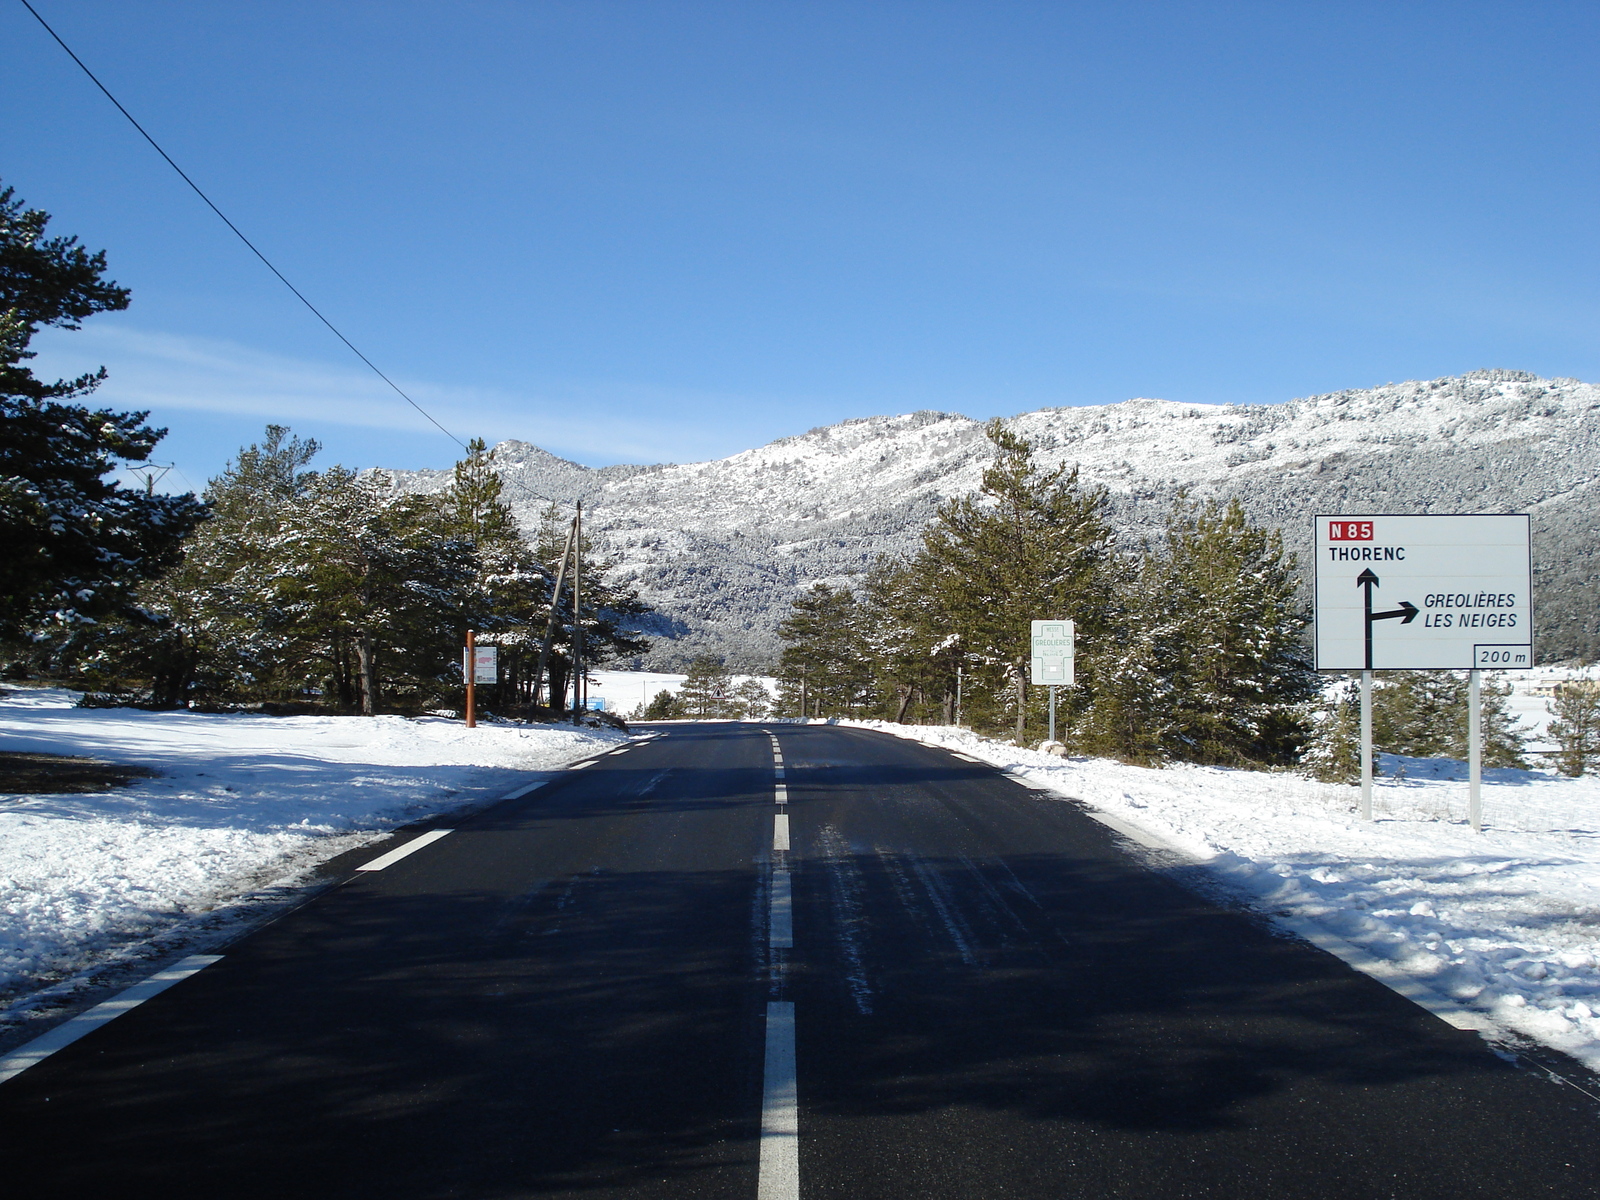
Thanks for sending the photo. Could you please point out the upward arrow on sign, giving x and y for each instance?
(1407, 612)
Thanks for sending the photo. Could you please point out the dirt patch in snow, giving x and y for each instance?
(57, 774)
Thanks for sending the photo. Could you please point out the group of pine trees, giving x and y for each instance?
(708, 692)
(334, 588)
(1190, 649)
(1418, 714)
(281, 584)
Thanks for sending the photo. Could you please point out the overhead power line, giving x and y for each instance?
(224, 218)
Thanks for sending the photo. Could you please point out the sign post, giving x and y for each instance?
(1461, 592)
(1054, 659)
(480, 664)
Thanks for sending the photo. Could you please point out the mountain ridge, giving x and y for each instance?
(720, 547)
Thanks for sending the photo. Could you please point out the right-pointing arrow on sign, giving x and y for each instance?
(1407, 612)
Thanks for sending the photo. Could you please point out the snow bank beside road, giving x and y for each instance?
(1506, 923)
(240, 802)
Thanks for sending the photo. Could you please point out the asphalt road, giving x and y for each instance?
(588, 992)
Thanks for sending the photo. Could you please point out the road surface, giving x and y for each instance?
(753, 961)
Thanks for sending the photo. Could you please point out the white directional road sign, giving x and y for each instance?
(1423, 593)
(1053, 652)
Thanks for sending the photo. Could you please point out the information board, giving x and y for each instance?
(1423, 593)
(1053, 653)
(486, 664)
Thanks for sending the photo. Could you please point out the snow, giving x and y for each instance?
(240, 802)
(1505, 924)
(723, 546)
(624, 691)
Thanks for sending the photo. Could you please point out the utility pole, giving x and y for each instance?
(152, 474)
(958, 696)
(555, 607)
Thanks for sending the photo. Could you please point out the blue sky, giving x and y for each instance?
(671, 231)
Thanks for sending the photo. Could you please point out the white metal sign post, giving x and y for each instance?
(1054, 655)
(1423, 593)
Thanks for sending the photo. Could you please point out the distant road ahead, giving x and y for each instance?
(919, 978)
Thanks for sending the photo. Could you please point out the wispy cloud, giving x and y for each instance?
(168, 373)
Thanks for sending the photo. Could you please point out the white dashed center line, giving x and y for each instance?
(779, 1175)
(780, 1118)
(411, 847)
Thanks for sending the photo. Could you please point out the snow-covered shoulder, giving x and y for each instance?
(1505, 924)
(238, 802)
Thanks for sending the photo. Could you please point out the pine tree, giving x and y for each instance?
(1032, 544)
(753, 699)
(707, 690)
(197, 632)
(1423, 714)
(1333, 751)
(823, 669)
(510, 595)
(664, 706)
(1223, 601)
(76, 543)
(1576, 727)
(1132, 714)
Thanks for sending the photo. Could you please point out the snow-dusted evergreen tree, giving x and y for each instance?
(753, 699)
(1032, 544)
(1333, 750)
(1576, 727)
(1221, 600)
(1423, 714)
(1131, 714)
(663, 706)
(708, 690)
(825, 669)
(198, 632)
(510, 590)
(365, 570)
(76, 543)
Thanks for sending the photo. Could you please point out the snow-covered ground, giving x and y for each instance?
(241, 802)
(1506, 923)
(622, 692)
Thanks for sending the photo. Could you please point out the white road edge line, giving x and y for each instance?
(64, 1034)
(780, 831)
(779, 1177)
(411, 847)
(780, 912)
(523, 791)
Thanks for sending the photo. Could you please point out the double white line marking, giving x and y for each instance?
(779, 1177)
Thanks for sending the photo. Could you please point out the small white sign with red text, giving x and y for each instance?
(1423, 593)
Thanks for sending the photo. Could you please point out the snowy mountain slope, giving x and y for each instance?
(720, 547)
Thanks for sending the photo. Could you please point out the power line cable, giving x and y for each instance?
(235, 228)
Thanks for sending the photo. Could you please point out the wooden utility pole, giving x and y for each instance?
(472, 680)
(555, 606)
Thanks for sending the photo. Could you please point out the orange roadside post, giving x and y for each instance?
(472, 680)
